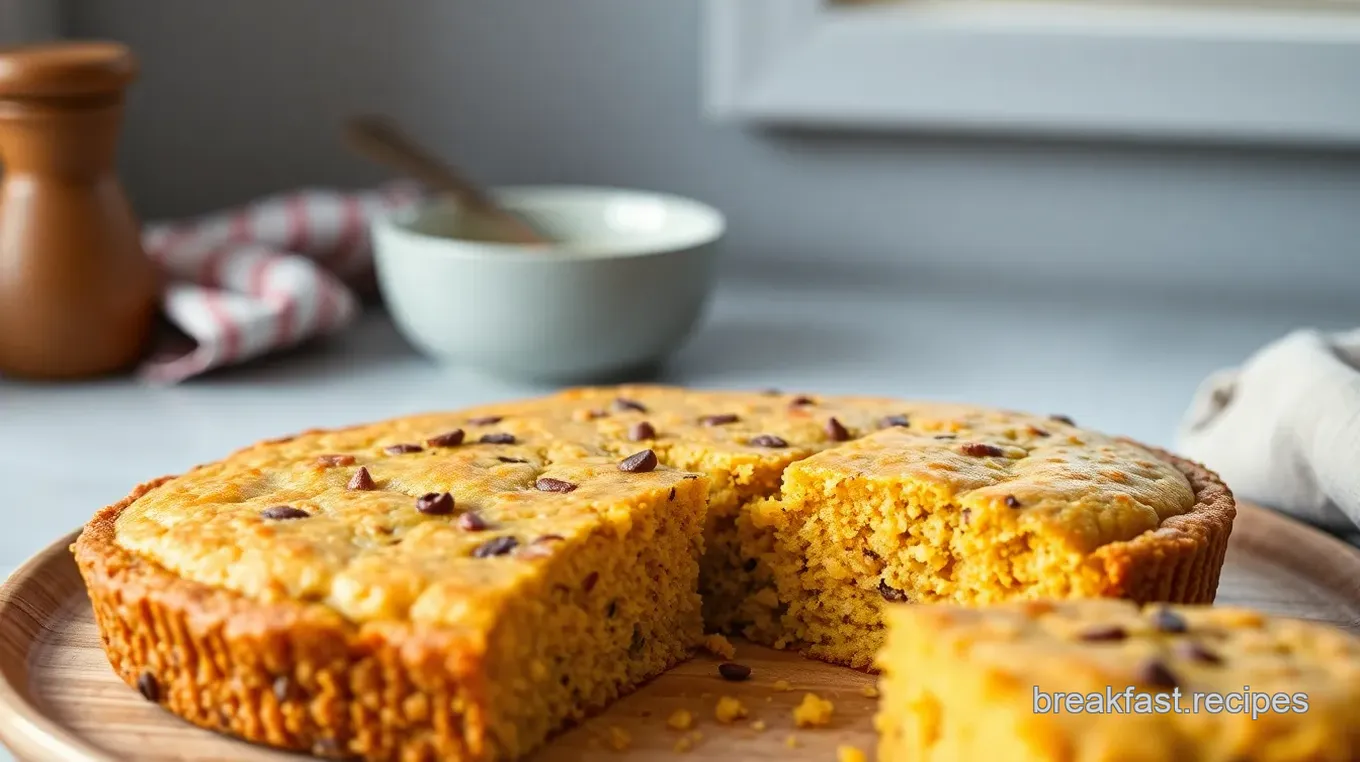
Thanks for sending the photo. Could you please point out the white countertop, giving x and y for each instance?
(1117, 363)
(1112, 363)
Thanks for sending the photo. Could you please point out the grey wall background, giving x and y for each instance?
(242, 98)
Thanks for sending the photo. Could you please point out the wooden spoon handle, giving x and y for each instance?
(383, 142)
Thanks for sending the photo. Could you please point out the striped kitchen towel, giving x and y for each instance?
(244, 283)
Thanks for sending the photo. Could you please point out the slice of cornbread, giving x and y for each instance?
(979, 506)
(1106, 681)
(461, 603)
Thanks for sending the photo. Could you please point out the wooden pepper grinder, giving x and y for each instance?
(78, 295)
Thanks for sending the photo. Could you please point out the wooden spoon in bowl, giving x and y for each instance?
(382, 141)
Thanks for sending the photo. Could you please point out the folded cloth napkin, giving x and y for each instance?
(1284, 430)
(275, 273)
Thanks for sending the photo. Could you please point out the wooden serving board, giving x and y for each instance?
(59, 700)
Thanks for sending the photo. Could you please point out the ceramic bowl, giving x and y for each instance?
(622, 286)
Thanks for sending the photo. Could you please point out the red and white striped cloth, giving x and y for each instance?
(271, 275)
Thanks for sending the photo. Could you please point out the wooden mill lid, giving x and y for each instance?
(64, 69)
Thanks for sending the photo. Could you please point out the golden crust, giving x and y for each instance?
(1180, 561)
(287, 674)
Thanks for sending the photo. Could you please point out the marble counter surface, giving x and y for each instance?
(1118, 364)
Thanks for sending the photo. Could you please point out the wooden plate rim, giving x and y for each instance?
(24, 729)
(29, 733)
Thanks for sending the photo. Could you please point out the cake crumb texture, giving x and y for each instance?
(619, 739)
(813, 711)
(850, 754)
(962, 683)
(681, 719)
(718, 645)
(729, 710)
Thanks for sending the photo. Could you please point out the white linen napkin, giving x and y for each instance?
(1284, 429)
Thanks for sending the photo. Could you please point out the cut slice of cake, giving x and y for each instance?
(1108, 681)
(976, 506)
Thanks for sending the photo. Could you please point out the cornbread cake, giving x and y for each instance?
(1106, 680)
(981, 506)
(460, 585)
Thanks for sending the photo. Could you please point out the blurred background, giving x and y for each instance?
(1095, 245)
(242, 100)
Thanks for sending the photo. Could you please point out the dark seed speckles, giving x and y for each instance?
(435, 504)
(750, 564)
(283, 513)
(1062, 419)
(611, 609)
(734, 672)
(1195, 652)
(894, 420)
(1104, 634)
(623, 404)
(981, 450)
(497, 547)
(149, 687)
(670, 498)
(1038, 432)
(588, 583)
(362, 481)
(801, 401)
(1155, 674)
(767, 440)
(641, 431)
(946, 436)
(449, 439)
(639, 462)
(1166, 620)
(472, 521)
(890, 593)
(722, 419)
(835, 431)
(506, 459)
(1012, 502)
(499, 438)
(402, 449)
(549, 484)
(485, 420)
